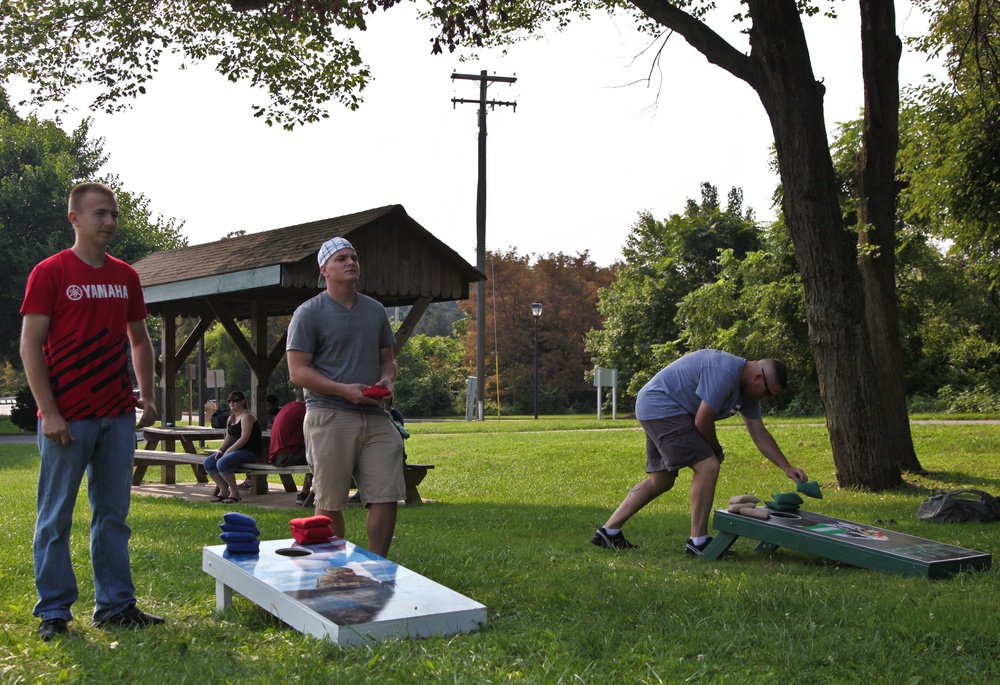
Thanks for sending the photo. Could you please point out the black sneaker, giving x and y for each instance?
(51, 627)
(603, 539)
(130, 617)
(696, 550)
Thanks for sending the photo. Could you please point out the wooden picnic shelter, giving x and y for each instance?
(261, 275)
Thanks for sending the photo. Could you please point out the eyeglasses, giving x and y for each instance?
(235, 401)
(766, 388)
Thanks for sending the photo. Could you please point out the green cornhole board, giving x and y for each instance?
(847, 542)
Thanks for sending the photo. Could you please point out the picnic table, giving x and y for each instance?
(190, 455)
(187, 436)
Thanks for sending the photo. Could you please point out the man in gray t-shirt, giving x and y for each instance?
(677, 410)
(340, 350)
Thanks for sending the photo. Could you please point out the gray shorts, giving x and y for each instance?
(296, 458)
(674, 443)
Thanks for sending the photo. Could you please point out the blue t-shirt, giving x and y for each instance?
(709, 375)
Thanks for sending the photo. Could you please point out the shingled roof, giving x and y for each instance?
(401, 263)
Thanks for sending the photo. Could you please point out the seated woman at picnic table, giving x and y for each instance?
(241, 446)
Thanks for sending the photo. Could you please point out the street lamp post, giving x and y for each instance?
(536, 311)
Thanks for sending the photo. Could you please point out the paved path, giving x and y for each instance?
(24, 438)
(276, 498)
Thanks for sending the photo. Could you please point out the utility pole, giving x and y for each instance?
(484, 82)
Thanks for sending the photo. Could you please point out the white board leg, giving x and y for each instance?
(223, 596)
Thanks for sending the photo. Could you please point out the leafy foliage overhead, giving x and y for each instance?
(287, 49)
(39, 164)
(951, 146)
(298, 52)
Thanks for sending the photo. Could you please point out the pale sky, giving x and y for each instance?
(568, 171)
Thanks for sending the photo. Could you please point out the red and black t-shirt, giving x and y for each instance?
(89, 310)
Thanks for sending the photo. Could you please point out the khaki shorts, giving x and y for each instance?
(341, 444)
(674, 443)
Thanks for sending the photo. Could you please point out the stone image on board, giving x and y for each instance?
(347, 596)
(342, 578)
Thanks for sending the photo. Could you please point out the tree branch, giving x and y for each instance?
(248, 5)
(703, 39)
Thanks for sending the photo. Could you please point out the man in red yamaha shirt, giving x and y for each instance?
(82, 309)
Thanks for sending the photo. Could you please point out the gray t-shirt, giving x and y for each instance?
(709, 375)
(344, 344)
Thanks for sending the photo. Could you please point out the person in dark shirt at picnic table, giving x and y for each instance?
(241, 446)
(288, 443)
(271, 408)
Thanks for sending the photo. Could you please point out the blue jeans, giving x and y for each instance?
(227, 464)
(104, 450)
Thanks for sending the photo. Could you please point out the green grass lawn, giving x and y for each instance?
(8, 428)
(515, 504)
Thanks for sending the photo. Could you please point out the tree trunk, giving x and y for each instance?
(876, 191)
(780, 71)
(825, 251)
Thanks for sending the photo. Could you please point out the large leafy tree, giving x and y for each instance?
(951, 153)
(431, 378)
(664, 261)
(756, 309)
(288, 48)
(39, 164)
(567, 287)
(950, 166)
(850, 299)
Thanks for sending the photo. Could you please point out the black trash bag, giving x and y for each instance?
(951, 507)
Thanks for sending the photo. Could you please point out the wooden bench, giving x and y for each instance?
(258, 473)
(168, 462)
(413, 474)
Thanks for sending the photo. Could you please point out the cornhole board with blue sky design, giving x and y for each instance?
(847, 542)
(340, 592)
